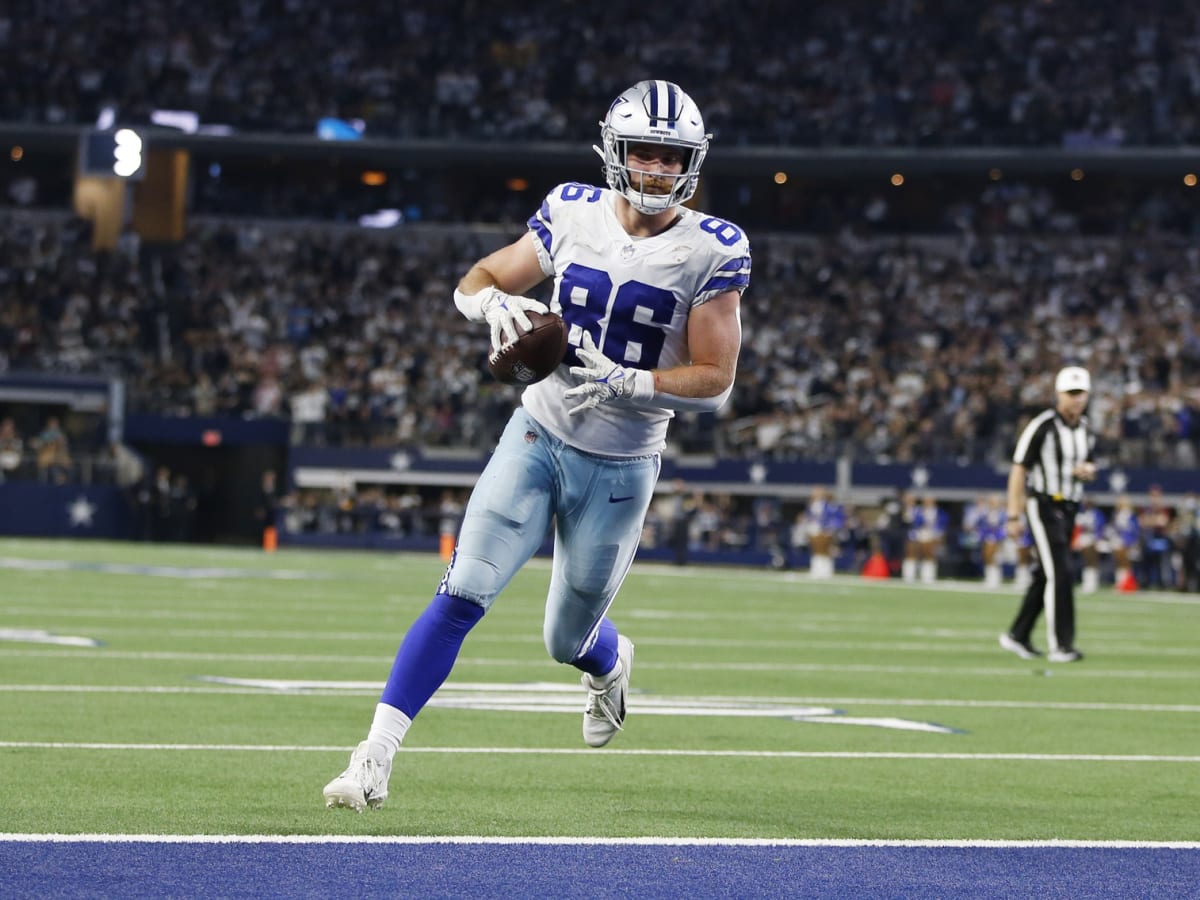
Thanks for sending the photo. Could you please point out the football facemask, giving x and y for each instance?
(653, 112)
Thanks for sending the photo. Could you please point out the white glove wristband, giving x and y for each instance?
(471, 305)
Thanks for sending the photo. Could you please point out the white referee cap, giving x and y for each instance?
(1073, 378)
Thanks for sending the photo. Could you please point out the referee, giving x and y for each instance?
(1052, 461)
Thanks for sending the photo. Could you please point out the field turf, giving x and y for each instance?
(170, 690)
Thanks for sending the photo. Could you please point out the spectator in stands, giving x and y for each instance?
(910, 515)
(266, 506)
(1155, 519)
(182, 507)
(1125, 536)
(129, 468)
(985, 523)
(1090, 522)
(683, 505)
(160, 507)
(1187, 540)
(810, 396)
(52, 453)
(1028, 73)
(12, 450)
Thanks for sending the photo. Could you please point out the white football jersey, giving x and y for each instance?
(633, 296)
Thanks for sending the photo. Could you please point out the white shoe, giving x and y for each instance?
(605, 713)
(1064, 655)
(365, 781)
(1024, 650)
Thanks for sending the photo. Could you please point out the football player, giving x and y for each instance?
(649, 290)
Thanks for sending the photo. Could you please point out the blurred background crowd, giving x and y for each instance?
(875, 349)
(910, 319)
(853, 73)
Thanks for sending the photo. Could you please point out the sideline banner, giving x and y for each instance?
(31, 509)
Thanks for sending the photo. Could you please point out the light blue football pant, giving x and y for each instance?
(598, 505)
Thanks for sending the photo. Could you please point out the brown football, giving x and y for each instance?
(534, 355)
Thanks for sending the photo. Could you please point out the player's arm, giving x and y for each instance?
(1016, 499)
(492, 289)
(714, 340)
(513, 269)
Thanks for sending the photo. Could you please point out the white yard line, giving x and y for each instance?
(363, 688)
(570, 751)
(1086, 670)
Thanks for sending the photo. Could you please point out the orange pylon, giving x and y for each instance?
(876, 567)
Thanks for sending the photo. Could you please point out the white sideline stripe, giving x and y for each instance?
(158, 571)
(954, 641)
(572, 751)
(578, 841)
(1009, 671)
(372, 688)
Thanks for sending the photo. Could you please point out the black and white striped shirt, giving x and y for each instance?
(1049, 449)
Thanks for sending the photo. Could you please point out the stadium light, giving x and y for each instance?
(127, 153)
(116, 154)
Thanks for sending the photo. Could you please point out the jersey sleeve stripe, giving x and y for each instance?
(732, 275)
(538, 225)
(718, 284)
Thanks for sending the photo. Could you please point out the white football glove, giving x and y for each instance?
(506, 315)
(605, 380)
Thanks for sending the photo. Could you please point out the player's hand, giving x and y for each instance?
(605, 380)
(506, 315)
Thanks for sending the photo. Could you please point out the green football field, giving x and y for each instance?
(185, 690)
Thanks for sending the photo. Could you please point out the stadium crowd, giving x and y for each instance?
(878, 349)
(880, 328)
(859, 73)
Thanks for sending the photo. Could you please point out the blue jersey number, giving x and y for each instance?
(574, 191)
(725, 232)
(632, 338)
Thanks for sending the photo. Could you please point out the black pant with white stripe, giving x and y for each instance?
(1052, 591)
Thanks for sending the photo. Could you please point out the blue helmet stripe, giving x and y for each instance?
(664, 103)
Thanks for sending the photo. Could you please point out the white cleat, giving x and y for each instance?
(605, 713)
(365, 781)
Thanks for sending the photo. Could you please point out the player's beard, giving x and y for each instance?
(646, 183)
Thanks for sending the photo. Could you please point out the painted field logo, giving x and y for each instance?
(552, 697)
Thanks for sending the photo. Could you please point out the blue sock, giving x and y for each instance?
(602, 656)
(428, 652)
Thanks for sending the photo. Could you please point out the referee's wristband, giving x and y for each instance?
(1014, 518)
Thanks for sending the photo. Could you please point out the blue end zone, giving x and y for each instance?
(232, 870)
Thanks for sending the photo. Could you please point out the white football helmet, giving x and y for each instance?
(653, 112)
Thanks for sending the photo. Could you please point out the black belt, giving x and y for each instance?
(1056, 499)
